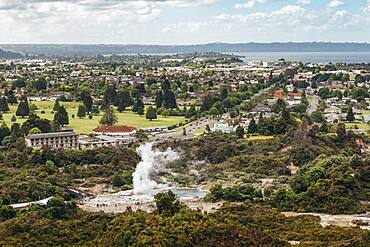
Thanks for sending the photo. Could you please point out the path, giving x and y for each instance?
(313, 105)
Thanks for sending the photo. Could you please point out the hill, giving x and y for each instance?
(103, 49)
(9, 55)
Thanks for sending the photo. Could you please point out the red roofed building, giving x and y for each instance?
(119, 130)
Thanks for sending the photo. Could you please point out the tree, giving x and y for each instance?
(121, 106)
(23, 109)
(34, 131)
(252, 127)
(207, 103)
(4, 107)
(4, 131)
(56, 106)
(317, 117)
(117, 180)
(167, 203)
(169, 99)
(214, 112)
(110, 94)
(140, 111)
(341, 132)
(138, 105)
(87, 101)
(11, 98)
(61, 117)
(6, 213)
(159, 99)
(350, 117)
(224, 93)
(40, 84)
(240, 132)
(81, 112)
(151, 113)
(124, 98)
(109, 117)
(191, 112)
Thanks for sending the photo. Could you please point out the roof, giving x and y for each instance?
(51, 135)
(114, 129)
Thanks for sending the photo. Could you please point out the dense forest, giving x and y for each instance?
(233, 225)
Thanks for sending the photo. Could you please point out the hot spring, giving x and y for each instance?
(153, 161)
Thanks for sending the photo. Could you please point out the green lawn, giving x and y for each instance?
(259, 138)
(360, 125)
(86, 125)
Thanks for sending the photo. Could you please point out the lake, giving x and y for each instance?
(305, 57)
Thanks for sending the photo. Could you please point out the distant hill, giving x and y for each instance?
(9, 55)
(99, 49)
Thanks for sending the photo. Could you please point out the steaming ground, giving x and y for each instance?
(153, 163)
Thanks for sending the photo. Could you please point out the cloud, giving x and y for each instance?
(252, 3)
(367, 8)
(304, 2)
(335, 3)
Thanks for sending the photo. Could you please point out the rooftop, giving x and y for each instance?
(114, 129)
(50, 135)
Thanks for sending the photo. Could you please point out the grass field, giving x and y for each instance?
(259, 138)
(360, 125)
(86, 125)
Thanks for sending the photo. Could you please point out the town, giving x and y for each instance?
(196, 135)
(173, 97)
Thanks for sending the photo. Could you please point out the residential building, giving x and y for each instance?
(55, 140)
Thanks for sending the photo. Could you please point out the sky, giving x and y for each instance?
(183, 21)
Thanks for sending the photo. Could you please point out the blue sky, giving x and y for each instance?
(183, 21)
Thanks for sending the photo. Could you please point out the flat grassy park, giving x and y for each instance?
(86, 125)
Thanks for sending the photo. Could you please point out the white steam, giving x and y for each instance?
(153, 161)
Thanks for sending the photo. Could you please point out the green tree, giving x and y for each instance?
(81, 112)
(34, 131)
(350, 117)
(87, 101)
(56, 106)
(4, 107)
(23, 109)
(40, 84)
(191, 112)
(151, 113)
(167, 203)
(121, 106)
(109, 117)
(240, 132)
(4, 131)
(159, 99)
(61, 117)
(169, 99)
(252, 127)
(117, 180)
(6, 213)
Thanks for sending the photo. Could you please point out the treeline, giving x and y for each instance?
(171, 224)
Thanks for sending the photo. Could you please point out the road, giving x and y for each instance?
(313, 105)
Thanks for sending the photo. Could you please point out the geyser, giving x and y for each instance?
(152, 161)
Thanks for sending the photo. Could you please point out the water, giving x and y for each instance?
(306, 57)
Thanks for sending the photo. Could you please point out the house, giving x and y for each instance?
(119, 130)
(105, 141)
(55, 140)
(223, 127)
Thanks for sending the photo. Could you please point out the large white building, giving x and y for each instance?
(53, 140)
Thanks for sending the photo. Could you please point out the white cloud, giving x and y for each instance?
(252, 3)
(367, 8)
(335, 3)
(304, 2)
